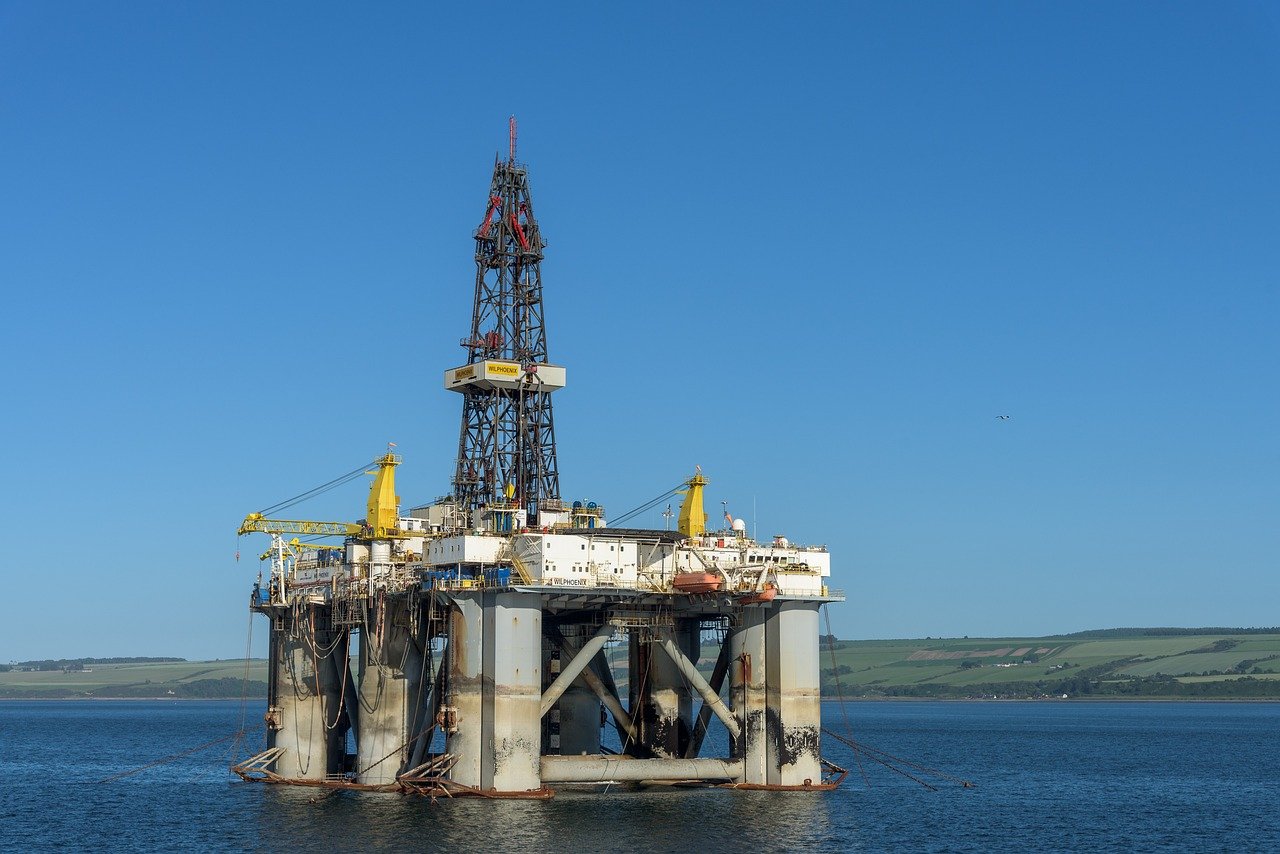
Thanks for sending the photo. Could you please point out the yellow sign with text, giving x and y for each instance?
(502, 369)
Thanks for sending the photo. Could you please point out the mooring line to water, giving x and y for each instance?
(835, 675)
(886, 759)
(204, 746)
(922, 768)
(234, 755)
(880, 761)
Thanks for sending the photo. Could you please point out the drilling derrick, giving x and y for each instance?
(506, 446)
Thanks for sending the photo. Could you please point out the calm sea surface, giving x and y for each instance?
(1051, 776)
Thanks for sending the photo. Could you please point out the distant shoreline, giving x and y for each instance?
(1103, 699)
(128, 699)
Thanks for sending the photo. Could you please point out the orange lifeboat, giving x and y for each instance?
(697, 582)
(766, 595)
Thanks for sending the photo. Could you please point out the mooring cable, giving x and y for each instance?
(835, 675)
(236, 734)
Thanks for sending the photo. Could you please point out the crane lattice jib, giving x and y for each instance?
(256, 524)
(506, 445)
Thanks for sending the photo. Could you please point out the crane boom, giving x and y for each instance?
(255, 522)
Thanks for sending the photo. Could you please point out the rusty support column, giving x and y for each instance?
(513, 659)
(391, 687)
(793, 718)
(495, 682)
(463, 711)
(747, 670)
(305, 711)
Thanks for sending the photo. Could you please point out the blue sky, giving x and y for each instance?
(815, 249)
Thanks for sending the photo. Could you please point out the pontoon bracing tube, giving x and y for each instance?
(704, 714)
(710, 697)
(604, 769)
(611, 702)
(571, 671)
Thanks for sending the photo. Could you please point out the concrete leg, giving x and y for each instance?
(391, 692)
(747, 669)
(305, 708)
(464, 700)
(793, 719)
(335, 669)
(513, 699)
(495, 690)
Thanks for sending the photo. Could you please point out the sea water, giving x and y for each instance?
(1048, 776)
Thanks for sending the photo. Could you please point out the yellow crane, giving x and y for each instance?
(381, 522)
(693, 520)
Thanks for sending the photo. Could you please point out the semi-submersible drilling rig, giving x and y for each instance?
(462, 647)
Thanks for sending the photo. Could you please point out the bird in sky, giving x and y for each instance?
(1002, 417)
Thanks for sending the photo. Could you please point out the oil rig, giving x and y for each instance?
(459, 648)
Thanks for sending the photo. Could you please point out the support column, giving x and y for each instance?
(495, 690)
(391, 691)
(464, 701)
(747, 692)
(513, 698)
(305, 714)
(794, 717)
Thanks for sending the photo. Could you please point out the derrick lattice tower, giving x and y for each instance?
(506, 446)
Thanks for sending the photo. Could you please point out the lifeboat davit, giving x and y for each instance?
(697, 582)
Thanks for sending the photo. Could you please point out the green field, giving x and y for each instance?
(1141, 663)
(181, 679)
